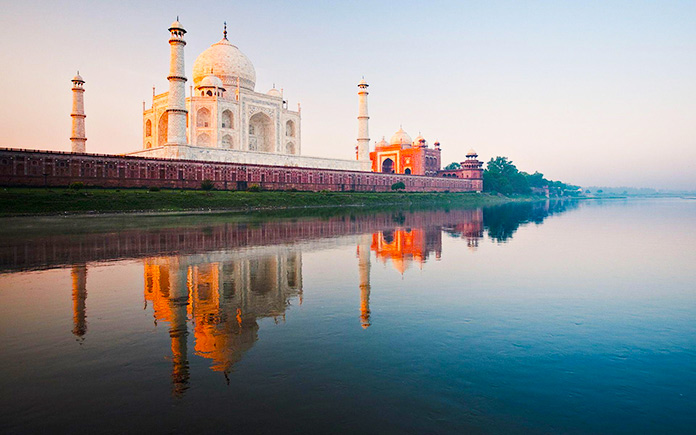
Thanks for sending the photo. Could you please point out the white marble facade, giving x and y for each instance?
(224, 112)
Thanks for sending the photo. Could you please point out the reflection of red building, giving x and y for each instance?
(404, 245)
(403, 156)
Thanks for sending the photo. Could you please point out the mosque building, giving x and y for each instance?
(401, 155)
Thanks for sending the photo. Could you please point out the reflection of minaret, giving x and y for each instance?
(178, 329)
(79, 296)
(364, 268)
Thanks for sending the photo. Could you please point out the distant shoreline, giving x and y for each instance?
(17, 201)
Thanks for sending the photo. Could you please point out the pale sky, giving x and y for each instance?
(591, 93)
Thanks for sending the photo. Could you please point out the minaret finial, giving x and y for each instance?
(224, 32)
(177, 18)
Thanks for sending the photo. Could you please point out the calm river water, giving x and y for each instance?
(551, 317)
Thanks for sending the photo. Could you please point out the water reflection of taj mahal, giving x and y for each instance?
(217, 298)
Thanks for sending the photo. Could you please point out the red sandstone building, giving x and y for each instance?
(403, 156)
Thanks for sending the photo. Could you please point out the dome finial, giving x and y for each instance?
(224, 32)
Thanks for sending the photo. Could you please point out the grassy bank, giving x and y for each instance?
(47, 201)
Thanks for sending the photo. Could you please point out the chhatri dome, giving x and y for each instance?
(274, 92)
(228, 62)
(400, 138)
(210, 81)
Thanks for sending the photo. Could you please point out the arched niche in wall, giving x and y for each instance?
(261, 133)
(228, 142)
(162, 127)
(203, 118)
(227, 119)
(290, 128)
(203, 140)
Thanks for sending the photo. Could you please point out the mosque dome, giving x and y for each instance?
(400, 138)
(274, 93)
(382, 143)
(418, 140)
(211, 81)
(471, 153)
(228, 62)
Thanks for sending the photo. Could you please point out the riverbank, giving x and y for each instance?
(51, 201)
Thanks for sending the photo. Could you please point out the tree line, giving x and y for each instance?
(502, 176)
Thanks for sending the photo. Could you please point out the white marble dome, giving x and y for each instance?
(210, 81)
(401, 138)
(228, 62)
(176, 25)
(274, 93)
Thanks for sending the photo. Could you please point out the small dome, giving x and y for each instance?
(418, 140)
(363, 82)
(78, 78)
(274, 93)
(211, 81)
(400, 138)
(382, 143)
(176, 25)
(228, 62)
(471, 153)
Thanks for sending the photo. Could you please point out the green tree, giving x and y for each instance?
(452, 166)
(502, 176)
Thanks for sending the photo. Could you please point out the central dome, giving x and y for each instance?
(400, 138)
(227, 62)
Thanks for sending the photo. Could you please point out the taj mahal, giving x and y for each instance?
(225, 118)
(228, 133)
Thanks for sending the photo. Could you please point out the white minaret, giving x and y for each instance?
(363, 132)
(176, 103)
(78, 138)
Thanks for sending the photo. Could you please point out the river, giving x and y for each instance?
(524, 318)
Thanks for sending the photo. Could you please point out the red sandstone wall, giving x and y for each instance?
(26, 252)
(49, 168)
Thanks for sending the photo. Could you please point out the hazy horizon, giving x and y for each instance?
(598, 93)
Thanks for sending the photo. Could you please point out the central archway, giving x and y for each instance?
(388, 166)
(261, 133)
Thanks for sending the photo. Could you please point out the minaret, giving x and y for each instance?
(363, 132)
(364, 269)
(78, 138)
(176, 103)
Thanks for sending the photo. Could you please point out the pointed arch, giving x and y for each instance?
(203, 140)
(228, 142)
(290, 128)
(227, 119)
(203, 118)
(261, 133)
(162, 127)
